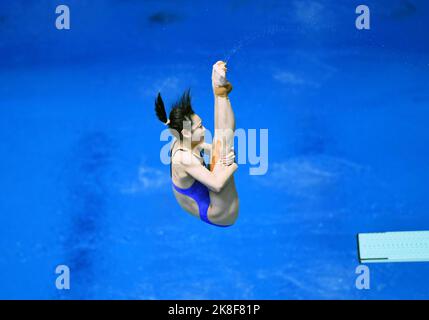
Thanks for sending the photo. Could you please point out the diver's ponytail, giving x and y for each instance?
(160, 110)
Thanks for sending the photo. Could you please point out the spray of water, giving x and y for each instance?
(240, 44)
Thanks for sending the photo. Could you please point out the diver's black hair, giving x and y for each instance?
(160, 109)
(180, 111)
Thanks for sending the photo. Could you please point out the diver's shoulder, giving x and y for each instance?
(186, 158)
(182, 157)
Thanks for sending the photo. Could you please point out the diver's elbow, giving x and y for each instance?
(216, 188)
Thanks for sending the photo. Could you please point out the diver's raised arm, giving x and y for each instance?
(214, 180)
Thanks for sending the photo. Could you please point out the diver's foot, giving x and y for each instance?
(219, 74)
(221, 86)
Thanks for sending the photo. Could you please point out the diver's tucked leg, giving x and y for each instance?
(224, 204)
(223, 140)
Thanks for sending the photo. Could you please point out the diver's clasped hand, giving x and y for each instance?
(228, 159)
(223, 91)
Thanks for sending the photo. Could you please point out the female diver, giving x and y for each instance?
(209, 194)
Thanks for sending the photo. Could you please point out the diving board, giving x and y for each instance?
(412, 246)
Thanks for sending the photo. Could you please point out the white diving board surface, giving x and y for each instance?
(411, 246)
